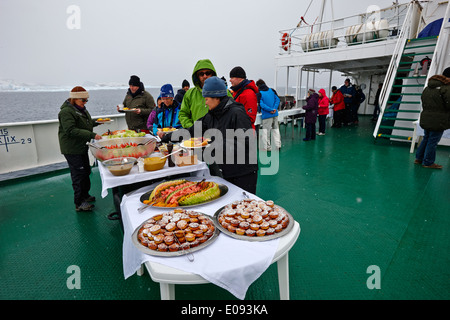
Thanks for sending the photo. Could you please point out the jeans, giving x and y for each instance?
(427, 149)
(270, 128)
(310, 131)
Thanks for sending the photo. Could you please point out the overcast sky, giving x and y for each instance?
(158, 40)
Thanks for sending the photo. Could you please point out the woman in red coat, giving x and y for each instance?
(337, 99)
(324, 103)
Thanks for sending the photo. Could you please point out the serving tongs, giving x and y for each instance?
(189, 253)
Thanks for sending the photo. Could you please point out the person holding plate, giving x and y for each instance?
(237, 161)
(75, 130)
(139, 103)
(167, 117)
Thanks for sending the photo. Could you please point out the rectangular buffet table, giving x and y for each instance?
(111, 181)
(227, 262)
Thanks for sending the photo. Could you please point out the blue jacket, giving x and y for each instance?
(348, 90)
(268, 101)
(167, 117)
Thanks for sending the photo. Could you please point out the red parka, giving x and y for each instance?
(324, 102)
(338, 100)
(247, 96)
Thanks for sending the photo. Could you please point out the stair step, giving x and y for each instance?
(397, 128)
(422, 39)
(406, 94)
(398, 119)
(417, 54)
(404, 102)
(422, 46)
(395, 110)
(418, 77)
(405, 70)
(408, 62)
(382, 135)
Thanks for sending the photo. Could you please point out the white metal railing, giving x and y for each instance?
(395, 60)
(353, 30)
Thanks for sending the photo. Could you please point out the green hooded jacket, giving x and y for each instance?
(193, 106)
(75, 129)
(435, 114)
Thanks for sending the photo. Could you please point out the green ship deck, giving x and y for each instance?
(359, 204)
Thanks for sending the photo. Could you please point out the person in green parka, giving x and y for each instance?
(193, 106)
(434, 118)
(75, 130)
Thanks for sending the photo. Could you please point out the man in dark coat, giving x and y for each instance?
(434, 119)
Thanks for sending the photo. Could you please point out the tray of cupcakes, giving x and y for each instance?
(253, 220)
(174, 233)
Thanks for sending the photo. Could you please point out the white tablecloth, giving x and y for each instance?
(229, 263)
(110, 181)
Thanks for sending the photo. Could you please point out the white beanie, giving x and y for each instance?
(78, 93)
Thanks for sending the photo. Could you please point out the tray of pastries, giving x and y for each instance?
(253, 220)
(175, 233)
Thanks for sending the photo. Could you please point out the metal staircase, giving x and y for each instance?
(403, 106)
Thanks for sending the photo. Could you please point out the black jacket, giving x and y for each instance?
(234, 135)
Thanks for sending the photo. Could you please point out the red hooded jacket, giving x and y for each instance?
(248, 99)
(324, 102)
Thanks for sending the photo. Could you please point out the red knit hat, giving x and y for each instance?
(78, 93)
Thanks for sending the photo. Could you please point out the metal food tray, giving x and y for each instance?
(223, 191)
(255, 238)
(179, 253)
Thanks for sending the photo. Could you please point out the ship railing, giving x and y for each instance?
(369, 27)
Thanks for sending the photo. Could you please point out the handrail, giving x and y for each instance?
(393, 65)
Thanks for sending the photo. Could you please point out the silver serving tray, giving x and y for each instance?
(223, 191)
(255, 238)
(151, 252)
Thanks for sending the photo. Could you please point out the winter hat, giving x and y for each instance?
(447, 72)
(78, 93)
(134, 81)
(311, 91)
(238, 72)
(166, 91)
(185, 83)
(214, 87)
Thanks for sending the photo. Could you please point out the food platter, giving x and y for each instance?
(272, 236)
(195, 143)
(128, 110)
(222, 188)
(106, 120)
(185, 246)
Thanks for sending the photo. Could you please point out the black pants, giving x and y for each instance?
(246, 182)
(338, 118)
(80, 169)
(322, 123)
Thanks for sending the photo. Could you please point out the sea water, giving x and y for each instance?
(20, 106)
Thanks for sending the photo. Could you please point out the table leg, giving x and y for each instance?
(283, 277)
(140, 271)
(167, 291)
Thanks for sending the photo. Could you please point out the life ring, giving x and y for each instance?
(286, 41)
